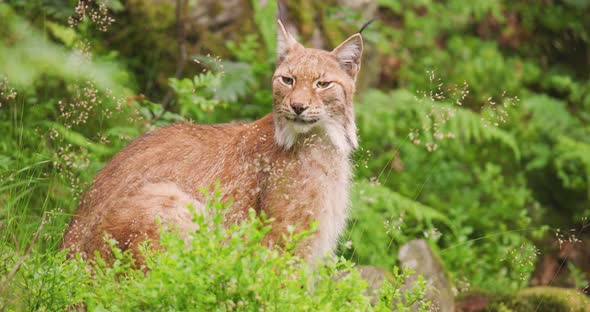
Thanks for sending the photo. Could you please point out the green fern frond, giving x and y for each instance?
(369, 197)
(405, 111)
(468, 126)
(381, 217)
(573, 163)
(549, 115)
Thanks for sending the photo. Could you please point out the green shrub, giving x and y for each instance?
(479, 180)
(458, 195)
(217, 269)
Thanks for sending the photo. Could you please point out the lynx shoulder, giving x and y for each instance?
(293, 164)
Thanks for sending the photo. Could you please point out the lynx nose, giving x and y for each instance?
(298, 108)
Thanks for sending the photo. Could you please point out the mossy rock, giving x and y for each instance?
(542, 299)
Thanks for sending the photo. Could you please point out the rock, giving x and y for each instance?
(374, 276)
(418, 256)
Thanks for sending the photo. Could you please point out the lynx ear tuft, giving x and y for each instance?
(349, 55)
(285, 42)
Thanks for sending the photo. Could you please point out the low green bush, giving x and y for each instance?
(216, 269)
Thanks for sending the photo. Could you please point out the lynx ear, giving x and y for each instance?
(349, 54)
(285, 42)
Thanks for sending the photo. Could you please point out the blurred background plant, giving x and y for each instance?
(474, 118)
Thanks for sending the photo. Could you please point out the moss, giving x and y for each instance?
(540, 299)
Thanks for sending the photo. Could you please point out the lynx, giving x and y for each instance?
(293, 164)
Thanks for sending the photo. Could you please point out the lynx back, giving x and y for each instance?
(293, 164)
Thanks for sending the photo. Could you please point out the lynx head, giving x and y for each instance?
(313, 91)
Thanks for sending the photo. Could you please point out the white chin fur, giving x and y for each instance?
(338, 135)
(286, 134)
(300, 128)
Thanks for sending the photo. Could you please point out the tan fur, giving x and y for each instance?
(296, 172)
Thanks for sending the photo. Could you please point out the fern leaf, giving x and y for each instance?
(469, 126)
(573, 163)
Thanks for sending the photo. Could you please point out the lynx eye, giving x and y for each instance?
(288, 81)
(323, 84)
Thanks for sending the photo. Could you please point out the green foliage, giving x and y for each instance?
(579, 277)
(266, 26)
(195, 95)
(62, 116)
(541, 299)
(509, 165)
(38, 58)
(435, 198)
(573, 163)
(382, 220)
(215, 269)
(255, 75)
(451, 155)
(558, 149)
